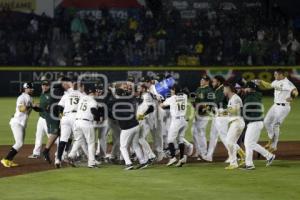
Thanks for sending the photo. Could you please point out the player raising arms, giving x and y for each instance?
(68, 104)
(178, 108)
(18, 123)
(284, 92)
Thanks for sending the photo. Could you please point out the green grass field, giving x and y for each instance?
(194, 181)
(7, 108)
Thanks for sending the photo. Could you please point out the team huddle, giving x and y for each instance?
(78, 117)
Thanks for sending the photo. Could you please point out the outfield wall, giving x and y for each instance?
(13, 77)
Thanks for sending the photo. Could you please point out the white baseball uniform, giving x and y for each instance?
(178, 108)
(236, 127)
(146, 125)
(115, 132)
(219, 128)
(199, 134)
(84, 130)
(18, 122)
(102, 139)
(279, 110)
(41, 130)
(69, 102)
(251, 138)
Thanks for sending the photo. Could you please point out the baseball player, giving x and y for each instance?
(18, 123)
(69, 104)
(178, 107)
(219, 125)
(84, 130)
(146, 123)
(204, 96)
(114, 127)
(41, 127)
(52, 116)
(124, 111)
(159, 121)
(284, 92)
(236, 125)
(253, 116)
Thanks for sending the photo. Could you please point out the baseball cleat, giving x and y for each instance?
(227, 161)
(241, 162)
(13, 164)
(150, 161)
(129, 167)
(268, 145)
(272, 150)
(172, 161)
(242, 154)
(248, 168)
(57, 164)
(231, 167)
(5, 163)
(270, 161)
(207, 158)
(142, 166)
(34, 156)
(182, 161)
(93, 166)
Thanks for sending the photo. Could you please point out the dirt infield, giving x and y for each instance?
(286, 151)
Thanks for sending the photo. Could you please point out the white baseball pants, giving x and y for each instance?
(219, 128)
(102, 139)
(274, 119)
(41, 130)
(67, 126)
(177, 130)
(251, 138)
(235, 130)
(84, 131)
(199, 134)
(115, 130)
(130, 138)
(19, 134)
(148, 153)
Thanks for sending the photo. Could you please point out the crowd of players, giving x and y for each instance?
(79, 116)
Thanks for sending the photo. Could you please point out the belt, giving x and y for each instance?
(73, 111)
(281, 104)
(83, 119)
(179, 117)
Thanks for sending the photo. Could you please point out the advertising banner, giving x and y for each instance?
(18, 5)
(11, 80)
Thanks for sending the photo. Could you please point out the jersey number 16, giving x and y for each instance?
(181, 106)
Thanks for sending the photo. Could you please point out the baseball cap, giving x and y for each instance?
(28, 85)
(45, 82)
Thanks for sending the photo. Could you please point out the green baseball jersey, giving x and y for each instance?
(45, 99)
(253, 107)
(220, 99)
(204, 95)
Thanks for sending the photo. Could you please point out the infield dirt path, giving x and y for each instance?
(286, 151)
